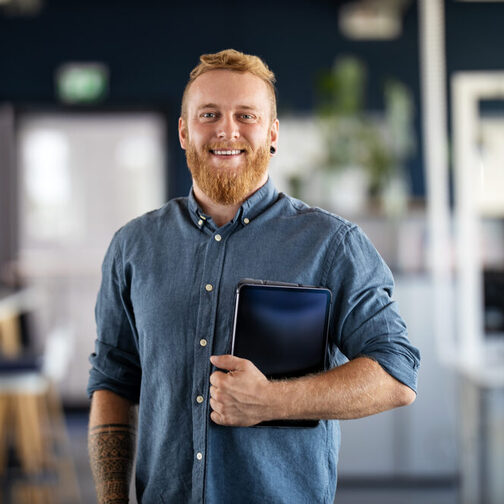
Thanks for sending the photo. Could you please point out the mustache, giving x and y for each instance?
(228, 146)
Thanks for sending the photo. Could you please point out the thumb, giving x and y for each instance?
(228, 362)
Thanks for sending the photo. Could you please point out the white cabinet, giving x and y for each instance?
(419, 440)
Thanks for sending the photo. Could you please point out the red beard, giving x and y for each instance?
(227, 186)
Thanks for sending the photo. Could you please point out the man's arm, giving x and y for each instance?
(111, 443)
(356, 389)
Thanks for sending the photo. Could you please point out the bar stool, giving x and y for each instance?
(32, 426)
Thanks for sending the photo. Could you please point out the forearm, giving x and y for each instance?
(356, 389)
(111, 443)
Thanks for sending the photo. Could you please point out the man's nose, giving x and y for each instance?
(228, 129)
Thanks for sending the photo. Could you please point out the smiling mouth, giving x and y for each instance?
(231, 152)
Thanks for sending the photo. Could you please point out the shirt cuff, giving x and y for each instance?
(114, 370)
(398, 366)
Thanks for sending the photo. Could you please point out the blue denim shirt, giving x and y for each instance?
(166, 304)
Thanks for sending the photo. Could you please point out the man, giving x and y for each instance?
(165, 310)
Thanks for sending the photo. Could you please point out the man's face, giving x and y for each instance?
(227, 134)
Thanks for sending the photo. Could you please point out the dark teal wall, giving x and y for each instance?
(150, 48)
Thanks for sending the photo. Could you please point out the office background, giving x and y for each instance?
(75, 167)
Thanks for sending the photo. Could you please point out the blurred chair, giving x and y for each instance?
(10, 335)
(32, 425)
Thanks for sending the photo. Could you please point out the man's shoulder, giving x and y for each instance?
(316, 215)
(157, 219)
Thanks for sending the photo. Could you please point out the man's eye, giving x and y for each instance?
(208, 115)
(248, 117)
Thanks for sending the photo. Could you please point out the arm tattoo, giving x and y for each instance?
(111, 453)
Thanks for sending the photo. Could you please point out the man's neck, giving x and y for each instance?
(221, 214)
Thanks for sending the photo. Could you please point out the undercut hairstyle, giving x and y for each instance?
(236, 61)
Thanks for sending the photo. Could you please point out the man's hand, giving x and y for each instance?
(241, 396)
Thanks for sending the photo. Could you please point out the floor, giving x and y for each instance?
(349, 492)
(400, 494)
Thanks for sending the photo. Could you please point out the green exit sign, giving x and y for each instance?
(82, 82)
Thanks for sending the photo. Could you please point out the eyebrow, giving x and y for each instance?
(208, 105)
(214, 105)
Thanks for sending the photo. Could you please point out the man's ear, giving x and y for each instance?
(274, 134)
(182, 133)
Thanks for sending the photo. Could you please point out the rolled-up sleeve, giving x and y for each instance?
(366, 318)
(115, 363)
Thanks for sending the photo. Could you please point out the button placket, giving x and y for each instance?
(213, 263)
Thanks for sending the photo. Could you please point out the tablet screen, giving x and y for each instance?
(282, 330)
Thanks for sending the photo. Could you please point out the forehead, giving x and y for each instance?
(226, 88)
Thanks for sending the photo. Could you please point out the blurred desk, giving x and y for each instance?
(482, 434)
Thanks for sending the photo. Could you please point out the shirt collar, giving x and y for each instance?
(252, 207)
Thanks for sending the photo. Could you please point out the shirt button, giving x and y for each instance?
(199, 455)
(246, 220)
(200, 222)
(200, 399)
(203, 342)
(209, 287)
(218, 237)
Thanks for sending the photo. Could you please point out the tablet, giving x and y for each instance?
(282, 328)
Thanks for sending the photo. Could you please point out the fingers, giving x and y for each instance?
(215, 394)
(217, 418)
(222, 380)
(223, 415)
(218, 408)
(229, 362)
(218, 398)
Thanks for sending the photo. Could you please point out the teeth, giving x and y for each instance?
(227, 152)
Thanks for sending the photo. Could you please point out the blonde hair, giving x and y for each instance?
(236, 61)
